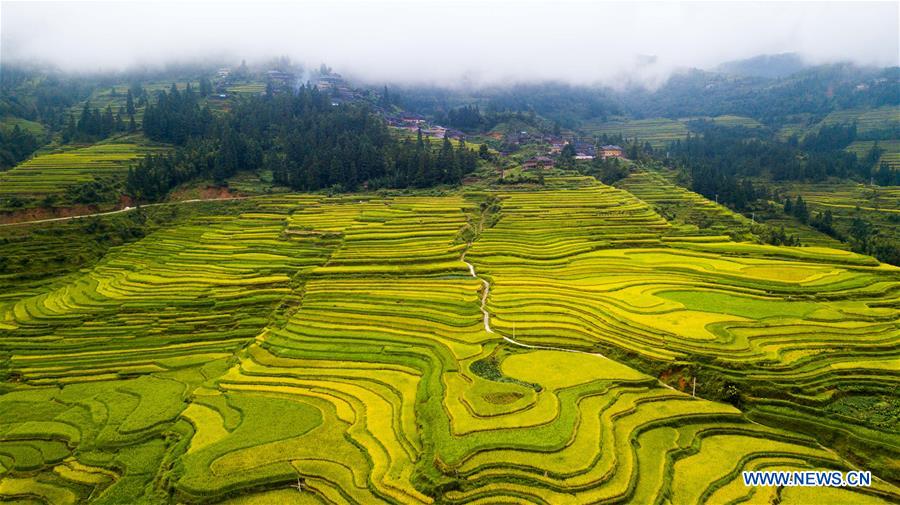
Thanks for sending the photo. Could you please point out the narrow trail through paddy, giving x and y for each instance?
(487, 324)
(125, 209)
(487, 319)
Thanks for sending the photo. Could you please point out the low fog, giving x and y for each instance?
(454, 42)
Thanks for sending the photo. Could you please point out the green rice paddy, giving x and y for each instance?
(440, 349)
(53, 172)
(659, 132)
(33, 127)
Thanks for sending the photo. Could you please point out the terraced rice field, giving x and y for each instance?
(660, 131)
(682, 206)
(867, 120)
(879, 205)
(33, 127)
(733, 121)
(102, 97)
(891, 154)
(53, 173)
(359, 349)
(728, 120)
(695, 215)
(254, 88)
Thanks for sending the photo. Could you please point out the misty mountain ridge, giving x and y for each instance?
(770, 66)
(693, 92)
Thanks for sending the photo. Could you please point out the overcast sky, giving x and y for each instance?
(450, 41)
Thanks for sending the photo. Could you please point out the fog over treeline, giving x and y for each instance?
(450, 43)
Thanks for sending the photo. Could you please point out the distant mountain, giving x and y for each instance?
(802, 94)
(770, 66)
(816, 90)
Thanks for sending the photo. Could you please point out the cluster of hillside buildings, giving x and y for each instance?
(413, 122)
(278, 80)
(340, 91)
(584, 151)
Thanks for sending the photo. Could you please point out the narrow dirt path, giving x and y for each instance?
(126, 209)
(487, 319)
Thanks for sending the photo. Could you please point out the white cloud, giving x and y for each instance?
(423, 41)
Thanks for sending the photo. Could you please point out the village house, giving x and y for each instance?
(538, 162)
(412, 119)
(437, 132)
(585, 148)
(556, 146)
(329, 82)
(611, 151)
(280, 79)
(455, 134)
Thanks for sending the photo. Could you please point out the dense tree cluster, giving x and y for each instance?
(776, 236)
(562, 103)
(416, 163)
(867, 239)
(606, 170)
(305, 141)
(315, 144)
(33, 93)
(824, 222)
(176, 116)
(829, 138)
(16, 144)
(724, 187)
(728, 152)
(467, 117)
(566, 157)
(154, 175)
(206, 87)
(797, 209)
(886, 176)
(93, 124)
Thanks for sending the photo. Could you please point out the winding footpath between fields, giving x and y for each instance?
(126, 209)
(487, 328)
(487, 324)
(487, 319)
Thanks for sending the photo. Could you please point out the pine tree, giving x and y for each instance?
(205, 87)
(84, 123)
(71, 129)
(108, 124)
(800, 210)
(483, 152)
(129, 103)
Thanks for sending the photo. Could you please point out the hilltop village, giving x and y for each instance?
(545, 147)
